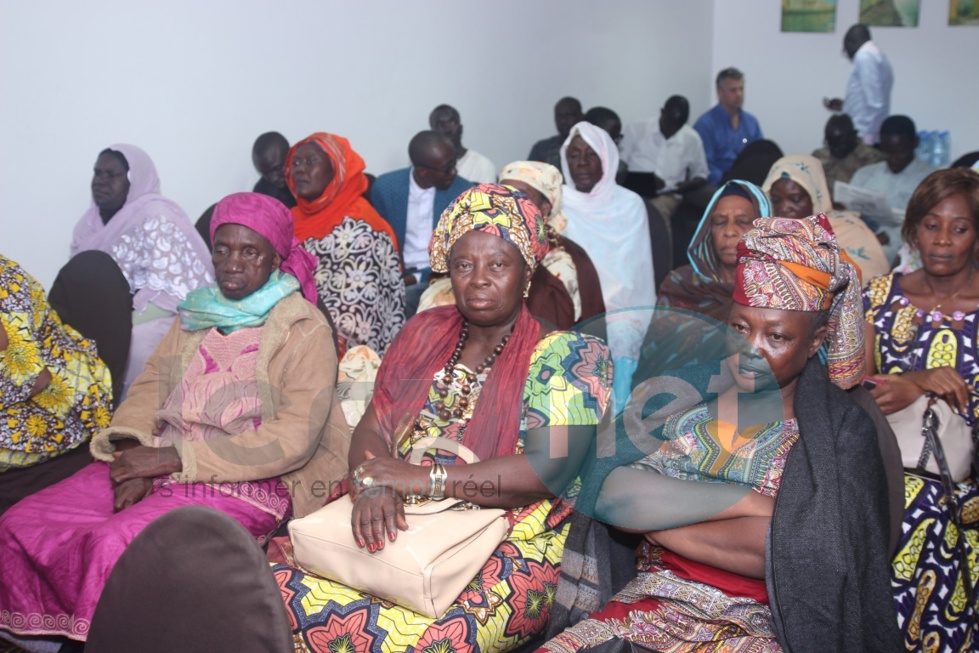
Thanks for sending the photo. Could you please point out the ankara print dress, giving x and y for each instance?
(76, 401)
(509, 601)
(933, 609)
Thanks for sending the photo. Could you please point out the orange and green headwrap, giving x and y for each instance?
(797, 265)
(498, 210)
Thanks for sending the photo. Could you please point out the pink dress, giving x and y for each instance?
(58, 547)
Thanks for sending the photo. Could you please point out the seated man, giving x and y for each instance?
(269, 158)
(726, 129)
(844, 153)
(896, 177)
(236, 410)
(412, 199)
(567, 114)
(669, 148)
(470, 164)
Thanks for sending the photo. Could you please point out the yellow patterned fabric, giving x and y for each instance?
(76, 401)
(509, 601)
(928, 568)
(797, 265)
(498, 210)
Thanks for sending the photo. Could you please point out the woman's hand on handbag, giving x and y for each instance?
(377, 512)
(393, 473)
(894, 392)
(945, 383)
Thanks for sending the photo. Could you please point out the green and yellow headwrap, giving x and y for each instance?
(499, 210)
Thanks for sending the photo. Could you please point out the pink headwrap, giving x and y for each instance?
(270, 219)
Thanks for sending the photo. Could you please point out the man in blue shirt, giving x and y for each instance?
(726, 129)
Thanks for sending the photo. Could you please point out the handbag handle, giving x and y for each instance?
(419, 448)
(929, 429)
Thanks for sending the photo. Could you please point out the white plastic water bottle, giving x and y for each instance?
(943, 153)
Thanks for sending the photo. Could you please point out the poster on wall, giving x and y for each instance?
(963, 12)
(809, 16)
(890, 13)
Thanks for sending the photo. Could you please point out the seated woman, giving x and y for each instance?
(797, 188)
(565, 289)
(720, 568)
(921, 337)
(610, 222)
(151, 239)
(236, 410)
(501, 385)
(358, 274)
(707, 283)
(55, 392)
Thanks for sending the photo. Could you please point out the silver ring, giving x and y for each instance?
(358, 472)
(367, 481)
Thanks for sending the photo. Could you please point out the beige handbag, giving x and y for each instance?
(426, 569)
(911, 424)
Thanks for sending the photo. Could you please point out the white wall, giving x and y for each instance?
(193, 82)
(788, 75)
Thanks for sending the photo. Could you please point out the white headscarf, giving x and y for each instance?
(610, 222)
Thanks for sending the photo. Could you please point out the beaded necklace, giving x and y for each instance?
(466, 387)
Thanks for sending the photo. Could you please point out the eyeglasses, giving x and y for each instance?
(447, 170)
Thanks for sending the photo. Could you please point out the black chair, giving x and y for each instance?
(203, 226)
(967, 160)
(91, 295)
(193, 580)
(661, 239)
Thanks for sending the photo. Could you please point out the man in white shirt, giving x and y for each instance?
(868, 91)
(471, 164)
(670, 149)
(896, 177)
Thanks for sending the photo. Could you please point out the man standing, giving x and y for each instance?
(726, 129)
(843, 154)
(868, 91)
(412, 199)
(471, 164)
(670, 149)
(567, 114)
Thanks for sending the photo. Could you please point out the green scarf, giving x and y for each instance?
(206, 307)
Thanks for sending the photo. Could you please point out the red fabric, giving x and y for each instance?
(342, 197)
(423, 347)
(728, 582)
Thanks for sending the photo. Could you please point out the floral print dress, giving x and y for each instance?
(359, 280)
(73, 405)
(509, 601)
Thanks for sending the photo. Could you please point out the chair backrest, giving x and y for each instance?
(661, 239)
(193, 580)
(203, 226)
(91, 295)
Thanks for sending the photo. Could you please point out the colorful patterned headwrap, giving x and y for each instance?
(797, 265)
(547, 180)
(499, 210)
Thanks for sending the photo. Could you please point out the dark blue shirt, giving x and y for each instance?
(723, 143)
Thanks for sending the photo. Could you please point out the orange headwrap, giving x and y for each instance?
(342, 197)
